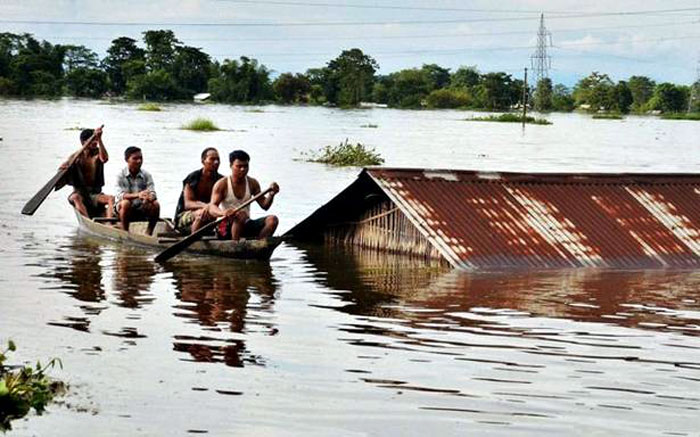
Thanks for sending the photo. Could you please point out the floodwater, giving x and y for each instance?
(322, 342)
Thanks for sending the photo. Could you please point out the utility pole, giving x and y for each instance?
(540, 61)
(525, 98)
(694, 88)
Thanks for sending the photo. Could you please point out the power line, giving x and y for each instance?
(393, 37)
(345, 23)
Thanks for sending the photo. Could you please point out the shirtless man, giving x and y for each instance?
(87, 177)
(234, 190)
(136, 195)
(193, 210)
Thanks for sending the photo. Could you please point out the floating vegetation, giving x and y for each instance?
(610, 116)
(370, 125)
(201, 125)
(681, 116)
(256, 110)
(345, 154)
(510, 118)
(150, 107)
(74, 128)
(24, 388)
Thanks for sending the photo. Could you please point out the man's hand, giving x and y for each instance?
(275, 188)
(98, 132)
(239, 215)
(147, 196)
(63, 166)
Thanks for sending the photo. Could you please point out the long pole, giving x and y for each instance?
(525, 98)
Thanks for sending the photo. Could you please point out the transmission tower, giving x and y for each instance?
(540, 61)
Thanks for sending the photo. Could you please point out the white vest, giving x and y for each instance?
(231, 201)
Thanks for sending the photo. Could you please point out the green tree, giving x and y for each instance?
(36, 68)
(241, 82)
(350, 77)
(83, 76)
(668, 98)
(465, 77)
(409, 88)
(191, 70)
(124, 60)
(596, 91)
(562, 99)
(623, 97)
(154, 85)
(498, 91)
(290, 88)
(161, 49)
(449, 98)
(544, 95)
(642, 88)
(693, 97)
(439, 76)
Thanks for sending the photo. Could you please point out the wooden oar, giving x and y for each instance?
(33, 204)
(199, 233)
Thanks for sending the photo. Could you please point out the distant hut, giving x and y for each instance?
(487, 220)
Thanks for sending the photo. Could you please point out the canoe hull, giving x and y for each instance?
(244, 249)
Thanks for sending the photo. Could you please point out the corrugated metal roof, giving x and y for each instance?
(517, 220)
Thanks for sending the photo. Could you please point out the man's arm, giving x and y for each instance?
(265, 202)
(217, 195)
(102, 151)
(191, 201)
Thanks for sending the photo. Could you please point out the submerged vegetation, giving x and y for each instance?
(370, 126)
(682, 116)
(201, 125)
(345, 154)
(24, 388)
(612, 116)
(150, 107)
(510, 118)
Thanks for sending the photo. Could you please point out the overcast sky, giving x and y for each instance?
(660, 39)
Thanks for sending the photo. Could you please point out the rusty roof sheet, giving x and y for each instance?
(517, 220)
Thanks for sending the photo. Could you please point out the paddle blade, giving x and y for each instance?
(33, 204)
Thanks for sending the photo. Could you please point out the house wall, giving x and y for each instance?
(382, 227)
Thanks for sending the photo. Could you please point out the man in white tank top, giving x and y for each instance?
(230, 192)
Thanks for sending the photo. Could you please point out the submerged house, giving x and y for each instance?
(488, 220)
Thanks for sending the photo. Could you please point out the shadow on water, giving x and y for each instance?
(222, 298)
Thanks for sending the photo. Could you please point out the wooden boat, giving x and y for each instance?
(165, 235)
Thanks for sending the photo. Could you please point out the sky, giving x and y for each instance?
(659, 39)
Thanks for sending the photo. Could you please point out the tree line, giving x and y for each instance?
(163, 68)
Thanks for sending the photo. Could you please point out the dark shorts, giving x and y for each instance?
(251, 228)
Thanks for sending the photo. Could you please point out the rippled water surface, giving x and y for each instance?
(322, 342)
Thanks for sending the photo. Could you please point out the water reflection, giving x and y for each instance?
(223, 297)
(83, 269)
(498, 347)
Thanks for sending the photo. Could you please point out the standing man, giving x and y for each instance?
(193, 209)
(87, 177)
(232, 191)
(136, 195)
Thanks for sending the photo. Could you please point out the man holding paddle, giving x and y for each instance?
(232, 192)
(87, 177)
(193, 209)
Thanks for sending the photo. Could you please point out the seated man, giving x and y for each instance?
(193, 206)
(232, 191)
(87, 177)
(136, 196)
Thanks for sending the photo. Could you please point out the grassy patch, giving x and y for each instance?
(612, 116)
(150, 107)
(681, 116)
(201, 125)
(345, 154)
(24, 388)
(256, 110)
(370, 125)
(510, 118)
(74, 128)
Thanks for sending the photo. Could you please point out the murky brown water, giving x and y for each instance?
(331, 342)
